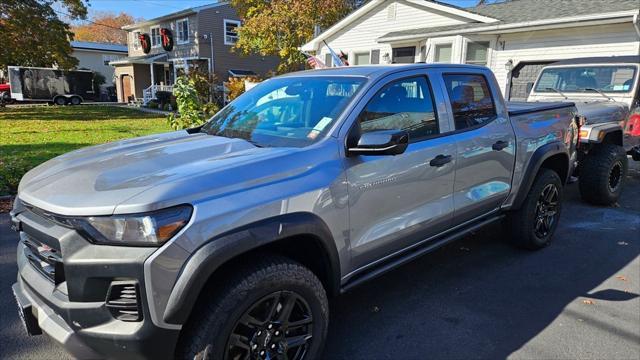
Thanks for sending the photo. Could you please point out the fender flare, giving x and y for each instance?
(596, 133)
(219, 250)
(537, 159)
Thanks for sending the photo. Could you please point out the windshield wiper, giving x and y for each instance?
(601, 93)
(558, 91)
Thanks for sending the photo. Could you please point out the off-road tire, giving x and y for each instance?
(220, 306)
(522, 222)
(603, 165)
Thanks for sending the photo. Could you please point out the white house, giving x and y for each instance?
(514, 38)
(97, 56)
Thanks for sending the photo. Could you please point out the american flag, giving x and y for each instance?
(314, 62)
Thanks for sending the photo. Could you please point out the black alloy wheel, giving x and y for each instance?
(278, 326)
(546, 210)
(615, 176)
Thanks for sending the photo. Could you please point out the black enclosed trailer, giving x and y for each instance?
(45, 84)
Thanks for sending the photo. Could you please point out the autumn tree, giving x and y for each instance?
(104, 27)
(280, 27)
(32, 32)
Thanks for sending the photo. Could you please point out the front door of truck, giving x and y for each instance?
(485, 145)
(395, 201)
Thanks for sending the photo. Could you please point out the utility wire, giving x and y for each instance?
(87, 20)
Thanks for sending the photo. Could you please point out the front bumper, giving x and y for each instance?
(72, 310)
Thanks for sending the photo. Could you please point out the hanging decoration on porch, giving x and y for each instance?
(145, 42)
(167, 39)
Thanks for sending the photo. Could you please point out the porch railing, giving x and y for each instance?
(149, 93)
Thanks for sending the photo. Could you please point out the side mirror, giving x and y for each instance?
(381, 142)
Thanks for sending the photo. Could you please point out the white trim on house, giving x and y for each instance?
(566, 22)
(238, 23)
(179, 40)
(153, 38)
(371, 5)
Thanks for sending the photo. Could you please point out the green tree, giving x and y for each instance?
(280, 27)
(33, 34)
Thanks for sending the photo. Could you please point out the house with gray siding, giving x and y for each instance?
(513, 38)
(202, 38)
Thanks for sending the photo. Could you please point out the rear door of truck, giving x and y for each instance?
(485, 141)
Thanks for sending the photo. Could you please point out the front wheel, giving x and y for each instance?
(273, 309)
(602, 174)
(533, 225)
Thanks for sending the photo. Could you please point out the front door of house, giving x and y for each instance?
(127, 93)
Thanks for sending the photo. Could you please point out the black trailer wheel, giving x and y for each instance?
(534, 223)
(60, 100)
(75, 100)
(602, 174)
(274, 308)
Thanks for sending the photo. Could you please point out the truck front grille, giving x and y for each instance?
(46, 260)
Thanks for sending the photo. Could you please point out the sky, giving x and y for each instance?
(149, 9)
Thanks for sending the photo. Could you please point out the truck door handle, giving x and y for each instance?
(440, 160)
(499, 145)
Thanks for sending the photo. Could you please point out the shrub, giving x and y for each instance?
(163, 97)
(210, 109)
(189, 106)
(167, 107)
(236, 86)
(152, 104)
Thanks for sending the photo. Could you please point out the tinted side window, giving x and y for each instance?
(471, 100)
(404, 104)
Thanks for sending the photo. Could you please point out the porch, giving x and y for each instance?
(139, 79)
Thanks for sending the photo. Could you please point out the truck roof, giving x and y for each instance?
(371, 71)
(632, 59)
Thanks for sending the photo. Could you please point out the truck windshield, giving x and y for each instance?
(285, 112)
(610, 79)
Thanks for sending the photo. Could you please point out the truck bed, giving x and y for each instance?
(520, 107)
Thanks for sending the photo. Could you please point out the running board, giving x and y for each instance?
(428, 246)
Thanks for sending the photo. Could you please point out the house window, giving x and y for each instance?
(404, 55)
(361, 58)
(182, 31)
(443, 53)
(328, 60)
(477, 53)
(156, 40)
(231, 31)
(136, 41)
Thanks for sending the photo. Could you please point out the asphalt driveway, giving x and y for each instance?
(478, 298)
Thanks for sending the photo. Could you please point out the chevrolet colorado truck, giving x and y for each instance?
(225, 241)
(606, 92)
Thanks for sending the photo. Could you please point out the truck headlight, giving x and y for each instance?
(147, 229)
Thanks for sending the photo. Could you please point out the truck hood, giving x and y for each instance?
(603, 111)
(97, 179)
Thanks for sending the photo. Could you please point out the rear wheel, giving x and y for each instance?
(532, 226)
(60, 101)
(602, 174)
(75, 100)
(274, 309)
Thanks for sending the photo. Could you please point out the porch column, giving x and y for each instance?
(152, 74)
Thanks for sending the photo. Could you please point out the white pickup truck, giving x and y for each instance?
(606, 92)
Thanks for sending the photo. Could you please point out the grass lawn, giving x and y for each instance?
(30, 136)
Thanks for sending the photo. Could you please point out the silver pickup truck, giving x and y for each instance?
(606, 92)
(225, 241)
